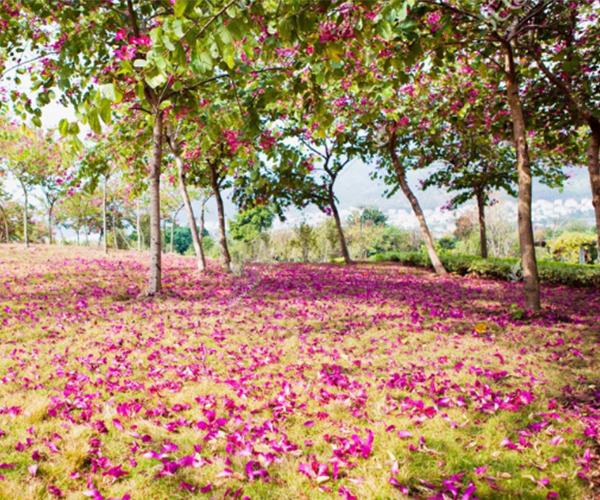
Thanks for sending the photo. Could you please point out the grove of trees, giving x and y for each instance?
(272, 99)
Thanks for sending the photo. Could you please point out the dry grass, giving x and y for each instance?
(298, 360)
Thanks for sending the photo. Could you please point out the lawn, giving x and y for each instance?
(290, 381)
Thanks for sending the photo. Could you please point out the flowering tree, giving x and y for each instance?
(490, 40)
(35, 160)
(151, 55)
(564, 47)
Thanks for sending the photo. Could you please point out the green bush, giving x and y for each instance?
(503, 269)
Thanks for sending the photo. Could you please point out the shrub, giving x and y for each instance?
(503, 269)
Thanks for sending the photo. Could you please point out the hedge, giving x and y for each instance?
(504, 269)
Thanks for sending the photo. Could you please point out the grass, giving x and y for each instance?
(302, 363)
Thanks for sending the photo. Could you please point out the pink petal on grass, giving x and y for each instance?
(186, 486)
(32, 469)
(404, 434)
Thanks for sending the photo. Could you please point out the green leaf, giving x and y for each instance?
(94, 121)
(155, 80)
(180, 7)
(111, 92)
(77, 144)
(225, 35)
(165, 104)
(73, 128)
(384, 30)
(63, 127)
(140, 63)
(284, 29)
(178, 28)
(168, 43)
(237, 28)
(105, 111)
(36, 121)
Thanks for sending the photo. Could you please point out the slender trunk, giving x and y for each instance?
(154, 278)
(338, 225)
(185, 196)
(87, 236)
(6, 229)
(401, 174)
(531, 282)
(593, 161)
(115, 235)
(139, 227)
(164, 232)
(203, 201)
(104, 222)
(77, 233)
(26, 217)
(221, 212)
(50, 226)
(172, 230)
(482, 232)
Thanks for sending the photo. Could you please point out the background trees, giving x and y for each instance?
(273, 99)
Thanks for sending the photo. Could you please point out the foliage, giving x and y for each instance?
(568, 245)
(250, 223)
(182, 239)
(550, 272)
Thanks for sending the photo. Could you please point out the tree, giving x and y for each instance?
(175, 148)
(26, 158)
(491, 44)
(373, 216)
(249, 224)
(153, 56)
(391, 159)
(565, 50)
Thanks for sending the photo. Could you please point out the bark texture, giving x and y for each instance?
(401, 174)
(196, 241)
(531, 282)
(154, 277)
(593, 161)
(482, 230)
(104, 222)
(338, 225)
(214, 181)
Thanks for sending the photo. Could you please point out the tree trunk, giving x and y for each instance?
(401, 174)
(50, 226)
(154, 278)
(221, 212)
(6, 228)
(482, 232)
(104, 222)
(203, 201)
(25, 217)
(531, 282)
(185, 196)
(593, 161)
(115, 235)
(164, 232)
(338, 225)
(139, 227)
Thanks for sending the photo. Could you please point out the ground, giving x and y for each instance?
(290, 381)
